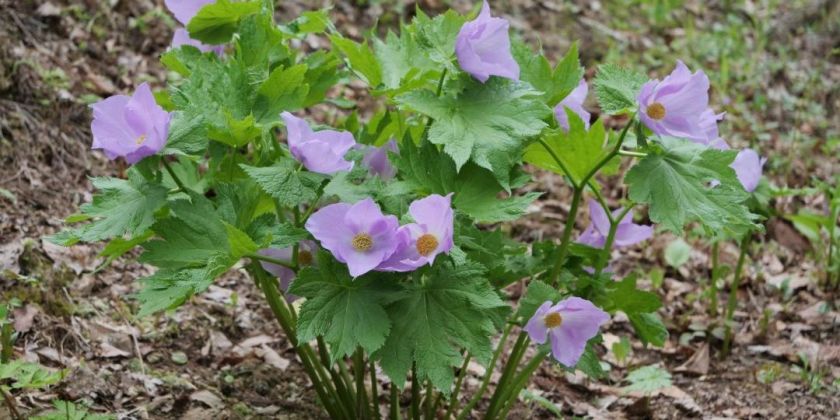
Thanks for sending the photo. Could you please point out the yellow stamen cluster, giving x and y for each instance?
(140, 139)
(656, 111)
(553, 320)
(426, 244)
(362, 242)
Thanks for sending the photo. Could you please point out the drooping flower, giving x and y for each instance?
(426, 238)
(483, 47)
(322, 151)
(185, 10)
(573, 101)
(306, 257)
(358, 235)
(182, 37)
(569, 325)
(676, 105)
(376, 160)
(133, 127)
(708, 122)
(627, 233)
(748, 166)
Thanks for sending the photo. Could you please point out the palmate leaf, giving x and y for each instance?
(285, 183)
(455, 309)
(169, 288)
(436, 36)
(402, 61)
(678, 183)
(347, 312)
(555, 84)
(579, 150)
(24, 375)
(485, 123)
(647, 379)
(216, 22)
(617, 88)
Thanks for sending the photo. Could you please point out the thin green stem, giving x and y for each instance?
(567, 236)
(486, 380)
(429, 400)
(604, 258)
(713, 283)
(272, 260)
(374, 391)
(732, 300)
(340, 386)
(429, 121)
(311, 209)
(6, 339)
(395, 403)
(833, 277)
(342, 368)
(509, 371)
(558, 161)
(631, 153)
(415, 393)
(520, 382)
(174, 177)
(362, 403)
(600, 197)
(454, 400)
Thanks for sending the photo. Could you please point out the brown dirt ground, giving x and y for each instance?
(222, 356)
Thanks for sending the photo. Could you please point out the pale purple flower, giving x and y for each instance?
(708, 122)
(748, 166)
(133, 127)
(185, 10)
(377, 162)
(569, 325)
(483, 47)
(675, 106)
(182, 37)
(426, 238)
(322, 151)
(627, 233)
(306, 257)
(573, 101)
(358, 235)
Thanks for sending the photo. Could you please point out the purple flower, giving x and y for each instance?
(182, 37)
(130, 126)
(430, 235)
(376, 159)
(676, 105)
(569, 324)
(358, 235)
(573, 101)
(627, 233)
(322, 151)
(748, 166)
(306, 257)
(185, 10)
(483, 47)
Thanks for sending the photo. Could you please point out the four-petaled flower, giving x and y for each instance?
(569, 325)
(430, 235)
(133, 127)
(574, 101)
(677, 105)
(358, 235)
(483, 47)
(322, 151)
(748, 166)
(376, 160)
(306, 257)
(627, 233)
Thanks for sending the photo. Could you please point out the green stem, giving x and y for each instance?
(311, 209)
(174, 177)
(832, 276)
(415, 393)
(342, 368)
(374, 391)
(272, 260)
(395, 403)
(604, 258)
(439, 91)
(430, 398)
(520, 382)
(631, 153)
(454, 401)
(510, 369)
(601, 200)
(557, 160)
(6, 340)
(732, 300)
(567, 236)
(713, 286)
(363, 405)
(341, 387)
(486, 380)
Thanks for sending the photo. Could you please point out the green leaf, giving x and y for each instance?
(117, 247)
(538, 293)
(402, 61)
(215, 23)
(624, 296)
(65, 410)
(235, 132)
(260, 44)
(589, 363)
(24, 375)
(485, 123)
(437, 36)
(361, 59)
(579, 150)
(168, 288)
(649, 328)
(432, 322)
(647, 380)
(617, 88)
(676, 184)
(284, 90)
(554, 84)
(285, 235)
(476, 192)
(187, 134)
(347, 312)
(239, 242)
(677, 253)
(285, 183)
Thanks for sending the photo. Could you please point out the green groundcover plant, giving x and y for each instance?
(386, 225)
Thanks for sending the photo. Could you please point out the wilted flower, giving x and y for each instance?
(358, 235)
(569, 324)
(573, 101)
(627, 233)
(676, 105)
(376, 160)
(322, 151)
(185, 10)
(483, 47)
(430, 235)
(748, 166)
(306, 256)
(182, 37)
(130, 126)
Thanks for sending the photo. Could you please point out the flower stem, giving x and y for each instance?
(362, 404)
(415, 393)
(604, 258)
(567, 236)
(732, 301)
(395, 403)
(175, 178)
(6, 332)
(454, 401)
(486, 380)
(631, 153)
(374, 391)
(713, 288)
(510, 369)
(520, 382)
(272, 260)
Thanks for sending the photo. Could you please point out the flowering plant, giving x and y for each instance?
(387, 228)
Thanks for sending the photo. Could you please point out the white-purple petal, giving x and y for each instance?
(483, 47)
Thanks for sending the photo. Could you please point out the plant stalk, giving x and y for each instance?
(732, 301)
(713, 288)
(174, 177)
(486, 380)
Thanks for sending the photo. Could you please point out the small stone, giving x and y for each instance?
(179, 357)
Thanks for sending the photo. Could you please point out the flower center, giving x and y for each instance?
(304, 258)
(553, 320)
(426, 244)
(140, 139)
(362, 242)
(656, 111)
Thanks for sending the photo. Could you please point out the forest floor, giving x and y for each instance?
(775, 69)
